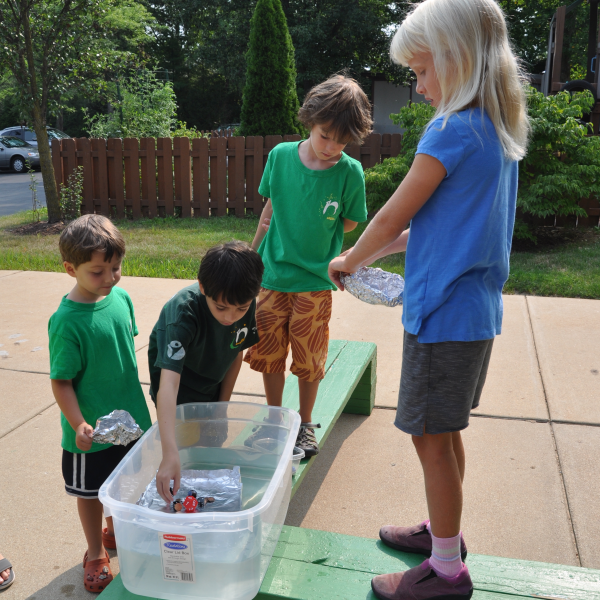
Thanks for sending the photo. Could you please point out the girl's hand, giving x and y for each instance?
(83, 436)
(338, 266)
(169, 470)
(266, 223)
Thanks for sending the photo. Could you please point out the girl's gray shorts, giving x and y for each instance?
(440, 384)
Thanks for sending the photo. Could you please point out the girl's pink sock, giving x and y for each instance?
(445, 556)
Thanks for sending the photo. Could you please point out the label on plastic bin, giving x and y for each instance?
(177, 556)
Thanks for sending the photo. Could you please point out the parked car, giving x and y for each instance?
(28, 135)
(15, 154)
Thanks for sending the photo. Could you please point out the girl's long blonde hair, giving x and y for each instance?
(474, 63)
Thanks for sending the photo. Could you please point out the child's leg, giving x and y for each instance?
(90, 515)
(459, 453)
(274, 384)
(109, 526)
(308, 395)
(443, 472)
(309, 339)
(269, 355)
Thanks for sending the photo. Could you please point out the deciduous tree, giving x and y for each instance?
(53, 47)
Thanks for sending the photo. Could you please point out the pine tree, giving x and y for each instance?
(270, 103)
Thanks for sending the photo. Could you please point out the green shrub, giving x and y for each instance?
(562, 166)
(145, 107)
(382, 180)
(71, 195)
(182, 130)
(270, 103)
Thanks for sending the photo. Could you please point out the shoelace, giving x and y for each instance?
(307, 434)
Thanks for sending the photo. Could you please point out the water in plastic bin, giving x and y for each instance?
(212, 555)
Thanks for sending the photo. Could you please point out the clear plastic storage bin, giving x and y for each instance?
(210, 555)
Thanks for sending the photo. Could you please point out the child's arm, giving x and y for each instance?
(67, 402)
(388, 226)
(398, 245)
(349, 225)
(170, 466)
(230, 378)
(263, 225)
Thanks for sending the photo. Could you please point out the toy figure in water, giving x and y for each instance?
(191, 502)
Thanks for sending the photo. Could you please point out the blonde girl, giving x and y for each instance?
(459, 198)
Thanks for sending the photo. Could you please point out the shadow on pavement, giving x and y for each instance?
(303, 499)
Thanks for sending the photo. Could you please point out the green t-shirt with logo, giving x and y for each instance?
(187, 339)
(92, 344)
(307, 226)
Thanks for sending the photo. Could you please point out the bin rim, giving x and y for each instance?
(177, 520)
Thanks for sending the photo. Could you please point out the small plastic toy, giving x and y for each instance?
(191, 503)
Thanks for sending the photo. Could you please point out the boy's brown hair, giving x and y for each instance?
(340, 104)
(88, 234)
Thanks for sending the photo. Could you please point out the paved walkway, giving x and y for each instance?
(532, 488)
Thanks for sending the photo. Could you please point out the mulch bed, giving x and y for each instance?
(41, 228)
(554, 237)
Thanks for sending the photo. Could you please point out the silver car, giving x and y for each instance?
(15, 154)
(28, 135)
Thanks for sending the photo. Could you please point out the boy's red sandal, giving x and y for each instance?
(108, 539)
(96, 573)
(6, 566)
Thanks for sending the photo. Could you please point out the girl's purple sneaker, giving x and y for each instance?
(423, 583)
(416, 539)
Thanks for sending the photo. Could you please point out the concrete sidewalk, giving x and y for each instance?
(532, 488)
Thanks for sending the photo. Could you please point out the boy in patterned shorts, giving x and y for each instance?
(316, 193)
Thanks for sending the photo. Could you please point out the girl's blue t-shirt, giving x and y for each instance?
(459, 243)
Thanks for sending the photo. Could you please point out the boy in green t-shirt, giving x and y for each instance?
(195, 350)
(316, 193)
(93, 370)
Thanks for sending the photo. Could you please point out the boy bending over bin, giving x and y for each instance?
(195, 351)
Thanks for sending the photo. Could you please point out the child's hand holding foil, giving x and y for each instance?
(118, 428)
(338, 267)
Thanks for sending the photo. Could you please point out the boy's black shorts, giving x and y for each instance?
(85, 473)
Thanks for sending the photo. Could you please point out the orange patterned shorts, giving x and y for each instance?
(299, 319)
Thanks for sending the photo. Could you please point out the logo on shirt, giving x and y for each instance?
(240, 337)
(330, 208)
(130, 327)
(175, 350)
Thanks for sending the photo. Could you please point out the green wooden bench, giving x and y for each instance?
(318, 565)
(315, 565)
(349, 386)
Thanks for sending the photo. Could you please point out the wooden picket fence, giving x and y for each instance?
(151, 177)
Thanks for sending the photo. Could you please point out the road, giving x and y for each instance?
(15, 194)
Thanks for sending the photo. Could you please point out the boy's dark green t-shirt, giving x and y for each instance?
(187, 339)
(92, 345)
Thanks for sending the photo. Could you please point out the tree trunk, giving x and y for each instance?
(52, 201)
(39, 126)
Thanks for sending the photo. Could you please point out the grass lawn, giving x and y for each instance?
(173, 248)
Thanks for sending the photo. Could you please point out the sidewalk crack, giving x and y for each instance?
(556, 450)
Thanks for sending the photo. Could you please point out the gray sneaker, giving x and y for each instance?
(307, 440)
(423, 583)
(416, 539)
(261, 432)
